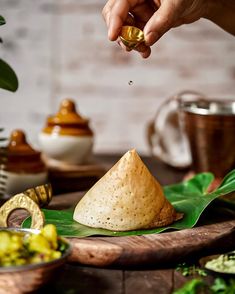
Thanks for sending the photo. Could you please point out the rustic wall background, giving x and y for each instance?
(59, 48)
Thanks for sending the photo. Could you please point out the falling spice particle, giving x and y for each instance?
(130, 83)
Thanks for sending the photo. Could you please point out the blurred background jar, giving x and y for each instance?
(191, 130)
(23, 168)
(67, 137)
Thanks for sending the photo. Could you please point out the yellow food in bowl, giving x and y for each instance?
(19, 248)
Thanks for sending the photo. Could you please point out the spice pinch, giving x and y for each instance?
(131, 36)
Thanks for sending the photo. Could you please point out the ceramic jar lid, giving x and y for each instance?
(68, 121)
(21, 157)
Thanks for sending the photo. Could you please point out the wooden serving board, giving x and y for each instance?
(215, 236)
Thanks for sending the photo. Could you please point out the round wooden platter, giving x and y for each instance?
(152, 249)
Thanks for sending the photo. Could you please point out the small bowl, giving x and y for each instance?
(221, 274)
(28, 278)
(131, 36)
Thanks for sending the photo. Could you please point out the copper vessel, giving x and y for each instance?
(210, 128)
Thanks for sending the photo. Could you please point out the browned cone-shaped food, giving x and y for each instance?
(126, 198)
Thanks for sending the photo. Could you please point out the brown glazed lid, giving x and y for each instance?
(67, 121)
(21, 157)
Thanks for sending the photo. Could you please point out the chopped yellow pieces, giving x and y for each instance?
(20, 248)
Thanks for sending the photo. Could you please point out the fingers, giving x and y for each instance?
(160, 22)
(115, 13)
(123, 46)
(144, 50)
(142, 13)
(106, 12)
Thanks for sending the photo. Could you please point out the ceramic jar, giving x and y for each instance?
(24, 167)
(67, 137)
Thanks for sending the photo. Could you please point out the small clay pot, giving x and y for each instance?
(24, 167)
(67, 136)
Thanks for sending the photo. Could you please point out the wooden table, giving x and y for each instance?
(75, 278)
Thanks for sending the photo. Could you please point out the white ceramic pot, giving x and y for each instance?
(16, 183)
(69, 149)
(67, 136)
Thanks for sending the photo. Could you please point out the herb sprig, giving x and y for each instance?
(196, 286)
(189, 270)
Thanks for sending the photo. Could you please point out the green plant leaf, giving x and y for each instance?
(190, 287)
(189, 197)
(2, 20)
(8, 78)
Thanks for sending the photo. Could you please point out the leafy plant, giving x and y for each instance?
(8, 78)
(190, 269)
(220, 286)
(8, 81)
(190, 287)
(189, 197)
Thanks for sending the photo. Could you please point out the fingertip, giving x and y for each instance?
(113, 30)
(146, 54)
(111, 35)
(128, 49)
(143, 50)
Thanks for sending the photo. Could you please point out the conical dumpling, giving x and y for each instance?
(126, 198)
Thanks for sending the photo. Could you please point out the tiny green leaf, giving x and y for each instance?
(190, 269)
(2, 20)
(8, 78)
(222, 286)
(190, 287)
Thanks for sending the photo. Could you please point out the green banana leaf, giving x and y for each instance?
(190, 197)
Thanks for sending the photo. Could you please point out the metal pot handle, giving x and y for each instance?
(171, 147)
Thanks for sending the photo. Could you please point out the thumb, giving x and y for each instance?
(160, 22)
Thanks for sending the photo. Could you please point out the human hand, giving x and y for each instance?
(154, 17)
